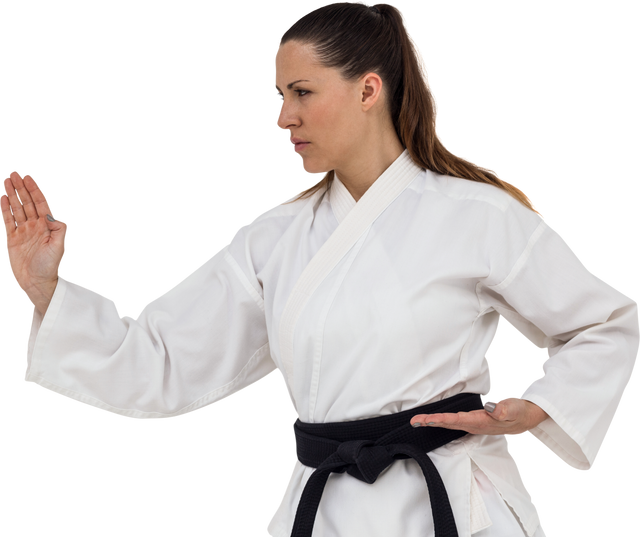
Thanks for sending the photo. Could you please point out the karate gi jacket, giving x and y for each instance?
(367, 309)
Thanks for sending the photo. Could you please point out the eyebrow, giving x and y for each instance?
(290, 85)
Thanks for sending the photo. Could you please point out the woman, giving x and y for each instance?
(412, 277)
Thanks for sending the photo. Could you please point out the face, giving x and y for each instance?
(322, 111)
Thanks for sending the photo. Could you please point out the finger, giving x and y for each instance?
(5, 213)
(39, 201)
(16, 206)
(424, 419)
(9, 173)
(474, 421)
(452, 419)
(24, 193)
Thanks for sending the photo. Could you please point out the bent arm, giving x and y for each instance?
(202, 341)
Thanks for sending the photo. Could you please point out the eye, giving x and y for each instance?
(301, 92)
(280, 96)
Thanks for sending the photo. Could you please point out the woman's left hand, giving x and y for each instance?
(511, 416)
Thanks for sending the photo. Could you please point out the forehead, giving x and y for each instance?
(294, 59)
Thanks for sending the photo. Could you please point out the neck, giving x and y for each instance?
(362, 172)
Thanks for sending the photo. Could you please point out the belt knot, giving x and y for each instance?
(364, 459)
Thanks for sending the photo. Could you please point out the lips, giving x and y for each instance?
(298, 143)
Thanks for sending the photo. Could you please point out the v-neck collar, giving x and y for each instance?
(341, 199)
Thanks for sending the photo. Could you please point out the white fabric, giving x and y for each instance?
(367, 308)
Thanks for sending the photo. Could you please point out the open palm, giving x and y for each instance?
(35, 243)
(509, 416)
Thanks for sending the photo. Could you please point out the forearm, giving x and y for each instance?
(41, 293)
(535, 415)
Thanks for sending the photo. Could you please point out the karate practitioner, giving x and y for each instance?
(376, 293)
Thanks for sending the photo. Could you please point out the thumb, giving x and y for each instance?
(58, 229)
(498, 411)
(508, 408)
(490, 406)
(57, 224)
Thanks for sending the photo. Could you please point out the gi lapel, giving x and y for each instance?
(375, 200)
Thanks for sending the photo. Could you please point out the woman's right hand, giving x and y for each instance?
(35, 243)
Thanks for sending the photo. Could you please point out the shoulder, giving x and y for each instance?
(283, 215)
(483, 216)
(255, 243)
(476, 202)
(458, 191)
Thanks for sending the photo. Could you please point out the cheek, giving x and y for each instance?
(334, 120)
(324, 117)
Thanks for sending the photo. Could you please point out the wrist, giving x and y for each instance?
(40, 293)
(536, 414)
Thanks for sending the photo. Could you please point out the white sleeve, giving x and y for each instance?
(589, 328)
(203, 340)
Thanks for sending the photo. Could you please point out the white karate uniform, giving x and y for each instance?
(367, 308)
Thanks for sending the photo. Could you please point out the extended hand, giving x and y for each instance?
(511, 416)
(35, 243)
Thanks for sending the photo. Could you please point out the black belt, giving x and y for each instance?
(364, 448)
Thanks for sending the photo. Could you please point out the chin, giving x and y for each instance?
(312, 174)
(312, 165)
(310, 170)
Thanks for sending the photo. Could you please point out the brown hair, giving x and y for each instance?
(357, 39)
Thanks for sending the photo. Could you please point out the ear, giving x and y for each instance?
(371, 86)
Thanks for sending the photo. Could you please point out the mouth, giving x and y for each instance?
(301, 145)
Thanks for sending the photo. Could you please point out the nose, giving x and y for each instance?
(288, 116)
